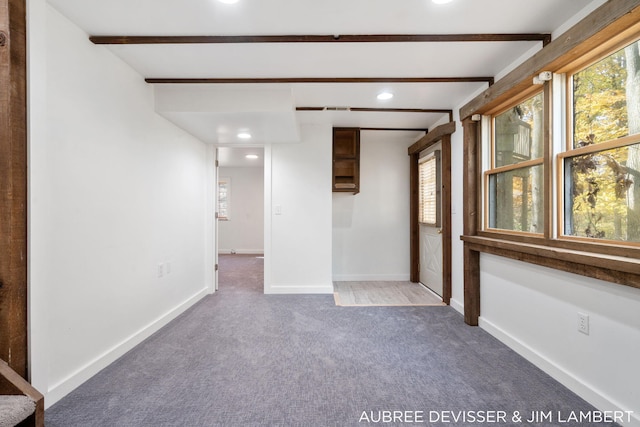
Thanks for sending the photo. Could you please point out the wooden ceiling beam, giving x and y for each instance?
(402, 110)
(170, 80)
(436, 134)
(425, 130)
(329, 38)
(383, 110)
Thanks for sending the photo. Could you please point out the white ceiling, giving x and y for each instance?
(236, 157)
(216, 112)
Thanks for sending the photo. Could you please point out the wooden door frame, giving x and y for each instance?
(13, 186)
(440, 134)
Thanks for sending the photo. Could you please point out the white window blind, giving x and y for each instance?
(429, 189)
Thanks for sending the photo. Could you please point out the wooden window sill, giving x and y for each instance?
(611, 268)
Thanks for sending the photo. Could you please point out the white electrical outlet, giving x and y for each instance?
(583, 323)
(160, 270)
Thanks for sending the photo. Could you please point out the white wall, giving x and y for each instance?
(457, 219)
(298, 240)
(535, 311)
(371, 228)
(244, 231)
(115, 191)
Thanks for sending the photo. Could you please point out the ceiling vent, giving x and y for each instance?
(337, 108)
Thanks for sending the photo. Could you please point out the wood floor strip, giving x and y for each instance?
(379, 294)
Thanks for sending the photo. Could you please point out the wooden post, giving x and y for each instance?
(446, 219)
(414, 238)
(13, 186)
(470, 213)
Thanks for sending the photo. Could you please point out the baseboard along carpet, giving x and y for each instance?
(242, 358)
(376, 294)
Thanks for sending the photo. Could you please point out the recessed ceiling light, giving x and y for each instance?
(383, 96)
(228, 1)
(251, 156)
(244, 135)
(441, 1)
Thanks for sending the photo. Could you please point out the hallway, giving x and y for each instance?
(241, 273)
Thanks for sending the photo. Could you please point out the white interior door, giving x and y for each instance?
(431, 257)
(430, 236)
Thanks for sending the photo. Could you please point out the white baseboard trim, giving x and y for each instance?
(64, 387)
(241, 251)
(299, 289)
(371, 278)
(578, 386)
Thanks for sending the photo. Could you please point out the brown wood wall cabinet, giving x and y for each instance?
(346, 160)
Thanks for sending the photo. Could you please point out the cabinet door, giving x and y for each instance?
(346, 160)
(345, 143)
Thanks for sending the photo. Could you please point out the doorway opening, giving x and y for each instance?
(240, 214)
(242, 273)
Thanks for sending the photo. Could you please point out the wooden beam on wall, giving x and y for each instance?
(435, 135)
(470, 210)
(326, 38)
(471, 175)
(623, 271)
(375, 110)
(382, 110)
(601, 25)
(402, 110)
(446, 219)
(414, 227)
(13, 186)
(425, 130)
(471, 286)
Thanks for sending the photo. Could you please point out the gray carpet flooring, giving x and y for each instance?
(241, 358)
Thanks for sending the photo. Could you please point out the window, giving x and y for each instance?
(224, 188)
(515, 181)
(581, 214)
(602, 161)
(429, 189)
(597, 172)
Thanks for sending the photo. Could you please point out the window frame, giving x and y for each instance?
(555, 148)
(490, 169)
(613, 261)
(605, 26)
(568, 151)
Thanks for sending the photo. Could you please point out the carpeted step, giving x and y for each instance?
(15, 409)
